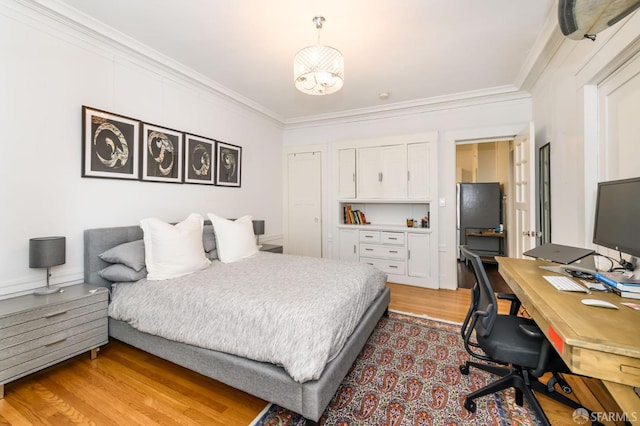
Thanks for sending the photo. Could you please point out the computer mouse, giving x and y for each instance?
(599, 303)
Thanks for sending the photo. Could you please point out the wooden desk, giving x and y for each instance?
(597, 342)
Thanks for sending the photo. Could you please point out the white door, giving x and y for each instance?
(524, 217)
(304, 182)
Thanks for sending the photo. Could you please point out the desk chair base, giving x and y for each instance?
(525, 385)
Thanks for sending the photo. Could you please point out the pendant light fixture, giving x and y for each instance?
(318, 69)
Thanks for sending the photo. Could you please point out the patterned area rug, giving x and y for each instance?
(407, 374)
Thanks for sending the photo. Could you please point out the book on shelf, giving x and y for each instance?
(619, 282)
(353, 217)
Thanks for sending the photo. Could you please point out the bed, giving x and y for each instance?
(265, 380)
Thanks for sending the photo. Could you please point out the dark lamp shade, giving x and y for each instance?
(46, 251)
(258, 227)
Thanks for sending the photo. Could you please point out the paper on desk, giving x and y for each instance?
(635, 306)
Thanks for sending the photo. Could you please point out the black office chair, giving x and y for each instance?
(516, 344)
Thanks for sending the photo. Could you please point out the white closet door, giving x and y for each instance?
(305, 204)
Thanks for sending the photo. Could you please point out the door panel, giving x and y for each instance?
(524, 194)
(305, 204)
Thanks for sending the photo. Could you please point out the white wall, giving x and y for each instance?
(48, 71)
(566, 114)
(491, 117)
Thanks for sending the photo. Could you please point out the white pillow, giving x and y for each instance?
(173, 250)
(235, 238)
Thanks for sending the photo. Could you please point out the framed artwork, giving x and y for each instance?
(161, 153)
(199, 160)
(110, 145)
(229, 164)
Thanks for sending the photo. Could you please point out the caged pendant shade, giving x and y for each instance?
(318, 69)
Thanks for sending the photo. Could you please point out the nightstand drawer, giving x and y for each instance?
(56, 342)
(54, 353)
(48, 313)
(45, 335)
(31, 322)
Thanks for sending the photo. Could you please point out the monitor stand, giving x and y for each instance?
(586, 264)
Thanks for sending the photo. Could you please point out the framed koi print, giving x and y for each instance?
(110, 145)
(161, 154)
(229, 164)
(199, 160)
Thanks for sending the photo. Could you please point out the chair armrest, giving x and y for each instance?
(531, 330)
(515, 302)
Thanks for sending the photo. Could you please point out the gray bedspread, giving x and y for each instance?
(292, 311)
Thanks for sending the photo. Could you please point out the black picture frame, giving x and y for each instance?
(110, 145)
(199, 160)
(228, 164)
(161, 154)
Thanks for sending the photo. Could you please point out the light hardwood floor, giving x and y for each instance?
(125, 386)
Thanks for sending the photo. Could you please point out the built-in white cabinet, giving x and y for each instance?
(349, 244)
(387, 181)
(402, 253)
(347, 173)
(382, 172)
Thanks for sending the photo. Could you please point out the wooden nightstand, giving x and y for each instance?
(39, 331)
(273, 248)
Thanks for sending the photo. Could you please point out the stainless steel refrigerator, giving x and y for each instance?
(480, 210)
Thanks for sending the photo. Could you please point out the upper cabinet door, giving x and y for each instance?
(394, 171)
(419, 171)
(347, 173)
(382, 172)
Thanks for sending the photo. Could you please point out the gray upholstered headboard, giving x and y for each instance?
(97, 241)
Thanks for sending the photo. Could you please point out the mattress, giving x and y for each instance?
(292, 311)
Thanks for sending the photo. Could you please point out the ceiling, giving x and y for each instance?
(423, 50)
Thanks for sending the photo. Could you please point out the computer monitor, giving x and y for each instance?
(617, 219)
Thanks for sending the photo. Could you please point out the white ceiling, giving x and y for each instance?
(414, 49)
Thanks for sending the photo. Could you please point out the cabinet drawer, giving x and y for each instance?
(370, 236)
(28, 325)
(47, 314)
(27, 351)
(55, 353)
(20, 343)
(382, 251)
(388, 266)
(392, 237)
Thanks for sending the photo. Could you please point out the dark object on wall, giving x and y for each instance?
(545, 193)
(580, 19)
(161, 153)
(199, 160)
(110, 145)
(479, 210)
(229, 163)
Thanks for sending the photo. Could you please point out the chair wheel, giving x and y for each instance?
(464, 369)
(470, 405)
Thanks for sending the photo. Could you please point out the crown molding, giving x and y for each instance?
(547, 44)
(85, 28)
(419, 106)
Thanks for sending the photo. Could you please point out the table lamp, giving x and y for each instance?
(45, 252)
(258, 229)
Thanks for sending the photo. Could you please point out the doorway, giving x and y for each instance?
(483, 182)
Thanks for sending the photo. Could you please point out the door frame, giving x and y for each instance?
(299, 149)
(447, 190)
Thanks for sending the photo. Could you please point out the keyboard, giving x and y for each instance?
(564, 283)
